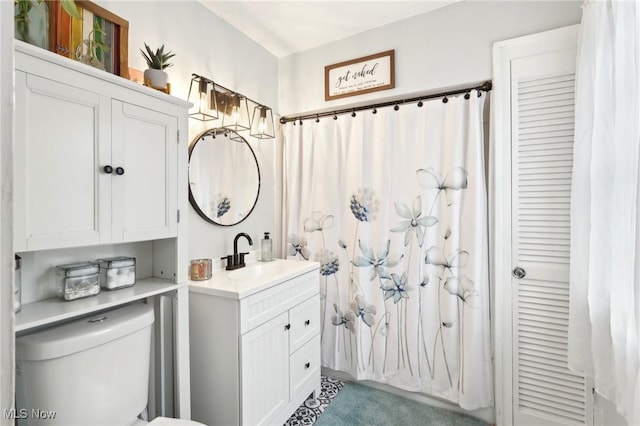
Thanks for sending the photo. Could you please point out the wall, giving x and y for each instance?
(205, 44)
(605, 413)
(446, 48)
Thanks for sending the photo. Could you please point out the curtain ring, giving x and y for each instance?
(375, 111)
(396, 107)
(353, 113)
(420, 103)
(300, 121)
(467, 95)
(445, 99)
(335, 117)
(317, 119)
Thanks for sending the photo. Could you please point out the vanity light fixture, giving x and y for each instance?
(205, 105)
(262, 123)
(236, 112)
(212, 101)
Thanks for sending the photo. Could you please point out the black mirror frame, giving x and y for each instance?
(213, 132)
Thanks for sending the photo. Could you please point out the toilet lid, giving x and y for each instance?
(165, 421)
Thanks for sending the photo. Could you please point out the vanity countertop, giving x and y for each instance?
(253, 278)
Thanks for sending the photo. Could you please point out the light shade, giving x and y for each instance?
(262, 123)
(203, 97)
(236, 112)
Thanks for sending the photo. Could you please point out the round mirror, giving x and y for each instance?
(224, 177)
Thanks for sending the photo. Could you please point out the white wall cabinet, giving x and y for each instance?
(90, 168)
(100, 170)
(255, 355)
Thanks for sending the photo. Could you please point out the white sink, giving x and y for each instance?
(254, 271)
(251, 279)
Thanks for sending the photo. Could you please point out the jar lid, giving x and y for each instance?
(75, 269)
(116, 262)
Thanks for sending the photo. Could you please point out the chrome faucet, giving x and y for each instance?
(236, 260)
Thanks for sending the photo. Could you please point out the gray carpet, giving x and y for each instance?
(359, 405)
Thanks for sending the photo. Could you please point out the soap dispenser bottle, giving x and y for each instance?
(266, 248)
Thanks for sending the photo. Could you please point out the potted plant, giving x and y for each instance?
(157, 61)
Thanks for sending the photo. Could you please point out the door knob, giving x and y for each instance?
(519, 272)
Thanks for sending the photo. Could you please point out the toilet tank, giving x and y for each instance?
(91, 371)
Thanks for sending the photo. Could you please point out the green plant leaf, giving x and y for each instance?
(158, 59)
(71, 8)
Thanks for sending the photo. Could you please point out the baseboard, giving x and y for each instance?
(485, 414)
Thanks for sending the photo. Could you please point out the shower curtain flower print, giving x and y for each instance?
(394, 287)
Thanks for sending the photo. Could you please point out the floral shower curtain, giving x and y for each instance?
(392, 203)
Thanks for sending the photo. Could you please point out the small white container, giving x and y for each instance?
(77, 280)
(117, 272)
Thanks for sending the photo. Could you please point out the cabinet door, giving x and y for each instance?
(60, 150)
(144, 198)
(265, 371)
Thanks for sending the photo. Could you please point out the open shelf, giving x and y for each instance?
(48, 311)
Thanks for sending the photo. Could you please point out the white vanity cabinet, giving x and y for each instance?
(95, 162)
(255, 344)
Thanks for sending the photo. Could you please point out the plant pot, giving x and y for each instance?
(157, 78)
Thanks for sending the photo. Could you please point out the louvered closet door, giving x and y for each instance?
(545, 391)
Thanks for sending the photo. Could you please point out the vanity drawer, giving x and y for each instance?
(304, 365)
(262, 306)
(305, 323)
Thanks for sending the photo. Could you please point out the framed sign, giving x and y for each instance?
(358, 76)
(99, 38)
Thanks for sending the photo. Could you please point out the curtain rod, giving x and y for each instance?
(485, 87)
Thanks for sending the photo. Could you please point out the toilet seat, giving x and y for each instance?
(166, 421)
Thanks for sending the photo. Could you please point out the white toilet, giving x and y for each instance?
(92, 371)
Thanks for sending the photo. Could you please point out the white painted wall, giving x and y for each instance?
(6, 210)
(446, 48)
(205, 44)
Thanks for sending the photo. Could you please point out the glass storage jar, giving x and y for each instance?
(77, 280)
(17, 289)
(117, 272)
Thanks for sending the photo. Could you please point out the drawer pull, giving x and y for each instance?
(108, 169)
(307, 365)
(307, 322)
(287, 327)
(119, 171)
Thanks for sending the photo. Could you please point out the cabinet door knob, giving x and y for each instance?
(307, 322)
(307, 365)
(287, 327)
(119, 171)
(107, 169)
